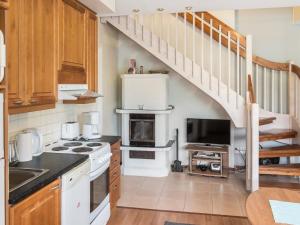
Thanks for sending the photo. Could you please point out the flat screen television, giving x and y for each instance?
(208, 131)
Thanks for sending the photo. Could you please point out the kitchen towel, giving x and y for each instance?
(24, 146)
(285, 212)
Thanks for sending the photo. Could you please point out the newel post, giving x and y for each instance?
(252, 162)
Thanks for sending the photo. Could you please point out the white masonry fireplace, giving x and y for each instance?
(145, 125)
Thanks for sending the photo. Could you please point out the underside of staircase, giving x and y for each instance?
(232, 102)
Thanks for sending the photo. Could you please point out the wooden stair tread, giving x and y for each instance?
(266, 120)
(276, 134)
(280, 169)
(282, 151)
(285, 185)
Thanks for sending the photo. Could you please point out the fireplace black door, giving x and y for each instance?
(142, 130)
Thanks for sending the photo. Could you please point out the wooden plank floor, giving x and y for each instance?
(127, 216)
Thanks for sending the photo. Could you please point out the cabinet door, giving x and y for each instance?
(16, 82)
(72, 42)
(39, 48)
(42, 207)
(92, 51)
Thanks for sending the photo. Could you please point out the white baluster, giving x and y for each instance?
(135, 24)
(291, 91)
(152, 28)
(160, 32)
(184, 44)
(256, 82)
(211, 54)
(168, 35)
(176, 38)
(237, 71)
(296, 97)
(202, 46)
(229, 66)
(265, 88)
(248, 59)
(127, 22)
(194, 51)
(280, 91)
(220, 60)
(176, 31)
(143, 25)
(272, 91)
(242, 74)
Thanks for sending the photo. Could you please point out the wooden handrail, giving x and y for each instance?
(235, 35)
(251, 90)
(225, 28)
(296, 70)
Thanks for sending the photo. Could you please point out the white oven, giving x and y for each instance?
(98, 177)
(99, 193)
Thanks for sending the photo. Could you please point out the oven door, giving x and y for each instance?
(99, 186)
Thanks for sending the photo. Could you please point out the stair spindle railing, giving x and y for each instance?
(206, 49)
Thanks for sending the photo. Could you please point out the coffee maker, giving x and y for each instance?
(90, 129)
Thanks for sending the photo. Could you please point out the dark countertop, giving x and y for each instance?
(57, 164)
(111, 139)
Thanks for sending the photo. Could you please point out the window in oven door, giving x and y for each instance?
(99, 189)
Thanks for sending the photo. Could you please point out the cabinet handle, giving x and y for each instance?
(55, 187)
(18, 102)
(33, 100)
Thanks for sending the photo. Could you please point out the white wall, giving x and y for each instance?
(275, 37)
(48, 121)
(227, 16)
(108, 67)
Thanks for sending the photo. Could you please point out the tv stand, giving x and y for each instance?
(208, 154)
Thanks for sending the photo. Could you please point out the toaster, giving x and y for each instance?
(70, 130)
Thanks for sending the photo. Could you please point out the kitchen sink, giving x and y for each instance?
(21, 176)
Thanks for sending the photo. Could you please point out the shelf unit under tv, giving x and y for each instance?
(194, 149)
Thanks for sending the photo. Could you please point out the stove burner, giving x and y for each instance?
(59, 148)
(94, 144)
(82, 149)
(72, 144)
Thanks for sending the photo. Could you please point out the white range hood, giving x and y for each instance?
(68, 91)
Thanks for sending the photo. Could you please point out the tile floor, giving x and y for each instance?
(185, 193)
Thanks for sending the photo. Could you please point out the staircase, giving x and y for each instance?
(217, 59)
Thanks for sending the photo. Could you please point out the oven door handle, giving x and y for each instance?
(99, 171)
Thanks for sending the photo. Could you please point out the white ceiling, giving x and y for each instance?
(125, 7)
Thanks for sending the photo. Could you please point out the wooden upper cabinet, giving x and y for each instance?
(16, 81)
(72, 37)
(43, 51)
(43, 207)
(48, 42)
(92, 51)
(32, 43)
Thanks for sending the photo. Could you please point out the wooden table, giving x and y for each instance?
(258, 207)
